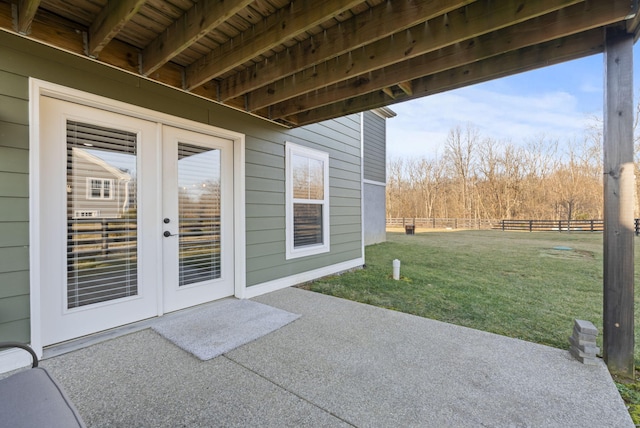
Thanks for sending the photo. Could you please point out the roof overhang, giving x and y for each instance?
(302, 62)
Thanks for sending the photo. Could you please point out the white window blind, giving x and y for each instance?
(102, 239)
(199, 212)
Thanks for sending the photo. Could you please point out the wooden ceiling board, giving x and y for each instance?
(80, 11)
(303, 61)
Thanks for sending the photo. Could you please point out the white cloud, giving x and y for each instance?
(422, 125)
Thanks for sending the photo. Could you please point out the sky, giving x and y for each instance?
(557, 102)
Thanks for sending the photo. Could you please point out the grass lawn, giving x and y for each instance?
(517, 284)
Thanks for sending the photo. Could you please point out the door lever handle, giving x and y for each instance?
(168, 234)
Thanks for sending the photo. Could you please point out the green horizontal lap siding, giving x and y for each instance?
(345, 192)
(267, 211)
(259, 224)
(15, 135)
(14, 110)
(14, 284)
(340, 138)
(14, 160)
(345, 202)
(345, 210)
(344, 220)
(14, 290)
(14, 308)
(264, 198)
(257, 237)
(14, 207)
(14, 234)
(14, 259)
(13, 85)
(18, 330)
(374, 147)
(263, 184)
(259, 250)
(264, 162)
(13, 184)
(265, 268)
(345, 238)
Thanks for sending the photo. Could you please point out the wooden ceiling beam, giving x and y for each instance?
(633, 24)
(196, 23)
(389, 93)
(549, 53)
(475, 19)
(542, 29)
(407, 87)
(111, 19)
(279, 27)
(26, 12)
(381, 21)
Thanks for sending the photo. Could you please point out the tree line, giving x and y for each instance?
(478, 177)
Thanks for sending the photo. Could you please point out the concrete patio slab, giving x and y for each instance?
(341, 364)
(142, 380)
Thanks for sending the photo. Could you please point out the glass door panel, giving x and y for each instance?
(102, 239)
(199, 214)
(197, 204)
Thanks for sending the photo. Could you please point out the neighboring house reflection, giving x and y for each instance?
(98, 189)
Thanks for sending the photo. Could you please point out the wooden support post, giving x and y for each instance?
(618, 331)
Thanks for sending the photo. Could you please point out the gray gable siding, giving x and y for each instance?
(374, 147)
(265, 163)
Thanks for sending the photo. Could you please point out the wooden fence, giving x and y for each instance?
(442, 223)
(552, 225)
(530, 225)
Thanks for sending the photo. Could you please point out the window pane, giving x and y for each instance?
(316, 179)
(102, 243)
(300, 167)
(307, 224)
(199, 211)
(308, 178)
(96, 189)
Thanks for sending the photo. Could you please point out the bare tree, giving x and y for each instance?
(426, 177)
(481, 177)
(460, 156)
(395, 188)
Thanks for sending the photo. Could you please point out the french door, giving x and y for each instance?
(198, 218)
(135, 219)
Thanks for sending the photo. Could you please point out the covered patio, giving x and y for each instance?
(340, 364)
(303, 62)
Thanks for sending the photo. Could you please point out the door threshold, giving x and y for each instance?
(92, 339)
(102, 336)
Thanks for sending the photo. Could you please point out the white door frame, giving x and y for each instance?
(38, 88)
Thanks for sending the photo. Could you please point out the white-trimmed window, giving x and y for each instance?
(307, 231)
(99, 188)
